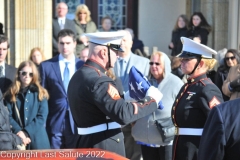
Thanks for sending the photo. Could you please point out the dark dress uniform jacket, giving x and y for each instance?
(220, 139)
(190, 110)
(90, 103)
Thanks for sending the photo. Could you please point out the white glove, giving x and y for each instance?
(127, 97)
(154, 93)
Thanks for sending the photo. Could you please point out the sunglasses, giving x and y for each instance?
(23, 73)
(228, 58)
(156, 63)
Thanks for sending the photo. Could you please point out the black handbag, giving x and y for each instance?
(166, 128)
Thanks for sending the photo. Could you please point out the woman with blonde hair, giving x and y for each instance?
(36, 56)
(195, 99)
(27, 103)
(160, 76)
(83, 24)
(180, 30)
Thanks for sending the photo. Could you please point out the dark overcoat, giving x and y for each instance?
(198, 32)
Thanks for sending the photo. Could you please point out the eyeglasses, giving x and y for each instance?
(23, 73)
(228, 58)
(156, 63)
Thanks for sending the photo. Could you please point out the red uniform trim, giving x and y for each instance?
(174, 149)
(97, 70)
(174, 153)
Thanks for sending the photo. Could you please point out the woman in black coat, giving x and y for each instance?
(231, 59)
(180, 30)
(198, 28)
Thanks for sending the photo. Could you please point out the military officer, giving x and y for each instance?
(220, 139)
(195, 99)
(97, 108)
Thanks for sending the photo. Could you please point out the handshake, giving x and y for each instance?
(235, 85)
(139, 87)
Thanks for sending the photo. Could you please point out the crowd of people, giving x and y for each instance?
(80, 97)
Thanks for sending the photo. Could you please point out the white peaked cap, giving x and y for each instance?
(196, 48)
(105, 38)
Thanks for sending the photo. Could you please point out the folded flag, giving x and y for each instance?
(139, 85)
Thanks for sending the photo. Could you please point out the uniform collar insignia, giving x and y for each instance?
(197, 78)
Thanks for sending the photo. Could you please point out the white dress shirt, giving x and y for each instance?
(71, 66)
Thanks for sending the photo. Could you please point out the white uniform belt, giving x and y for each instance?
(98, 128)
(188, 131)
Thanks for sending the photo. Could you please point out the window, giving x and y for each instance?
(116, 9)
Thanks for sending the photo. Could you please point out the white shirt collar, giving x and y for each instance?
(62, 59)
(61, 19)
(126, 59)
(3, 64)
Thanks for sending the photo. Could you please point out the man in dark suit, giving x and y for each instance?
(7, 72)
(220, 139)
(56, 74)
(59, 23)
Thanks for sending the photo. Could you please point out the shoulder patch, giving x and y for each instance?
(113, 92)
(214, 102)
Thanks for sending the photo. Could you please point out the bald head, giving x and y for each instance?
(130, 31)
(62, 9)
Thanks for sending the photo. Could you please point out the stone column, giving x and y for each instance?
(2, 13)
(234, 24)
(28, 25)
(216, 13)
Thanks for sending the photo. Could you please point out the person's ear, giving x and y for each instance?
(201, 63)
(75, 43)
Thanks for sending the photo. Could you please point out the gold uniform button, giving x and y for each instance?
(173, 108)
(181, 93)
(177, 100)
(172, 116)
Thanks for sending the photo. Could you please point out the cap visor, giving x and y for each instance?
(188, 55)
(120, 50)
